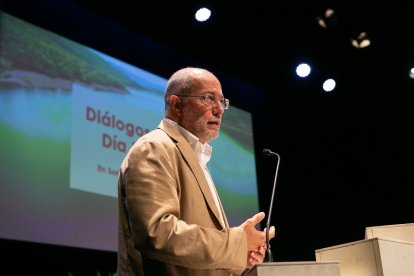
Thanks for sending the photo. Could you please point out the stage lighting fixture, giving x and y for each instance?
(303, 70)
(362, 41)
(203, 14)
(329, 85)
(328, 20)
(412, 73)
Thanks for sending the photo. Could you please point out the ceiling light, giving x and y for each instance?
(362, 41)
(303, 70)
(328, 19)
(329, 85)
(412, 73)
(203, 14)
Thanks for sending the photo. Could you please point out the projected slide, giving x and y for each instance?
(68, 115)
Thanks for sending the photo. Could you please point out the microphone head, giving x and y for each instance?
(268, 152)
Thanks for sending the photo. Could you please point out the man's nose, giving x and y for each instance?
(217, 105)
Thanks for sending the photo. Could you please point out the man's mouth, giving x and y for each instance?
(217, 123)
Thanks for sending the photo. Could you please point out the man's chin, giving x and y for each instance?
(213, 136)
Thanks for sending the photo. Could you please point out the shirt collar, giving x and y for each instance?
(203, 151)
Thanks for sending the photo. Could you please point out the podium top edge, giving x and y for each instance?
(298, 263)
(390, 225)
(362, 241)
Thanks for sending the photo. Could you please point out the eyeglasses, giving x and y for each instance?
(210, 100)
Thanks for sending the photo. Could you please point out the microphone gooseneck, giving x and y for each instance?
(268, 254)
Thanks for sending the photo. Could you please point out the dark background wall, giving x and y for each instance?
(346, 156)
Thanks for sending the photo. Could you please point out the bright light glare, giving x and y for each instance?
(203, 14)
(412, 73)
(329, 85)
(303, 70)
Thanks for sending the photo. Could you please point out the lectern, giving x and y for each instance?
(387, 250)
(296, 268)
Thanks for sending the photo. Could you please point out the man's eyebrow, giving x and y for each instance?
(213, 94)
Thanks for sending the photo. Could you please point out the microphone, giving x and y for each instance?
(268, 152)
(268, 254)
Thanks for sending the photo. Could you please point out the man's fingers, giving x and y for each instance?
(255, 257)
(262, 250)
(257, 218)
(272, 232)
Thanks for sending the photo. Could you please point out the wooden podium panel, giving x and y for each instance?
(401, 232)
(371, 257)
(330, 268)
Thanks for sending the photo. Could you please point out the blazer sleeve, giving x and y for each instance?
(154, 178)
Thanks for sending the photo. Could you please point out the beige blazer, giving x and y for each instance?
(168, 221)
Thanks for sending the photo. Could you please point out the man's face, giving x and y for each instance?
(200, 119)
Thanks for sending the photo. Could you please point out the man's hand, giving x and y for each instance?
(255, 257)
(256, 240)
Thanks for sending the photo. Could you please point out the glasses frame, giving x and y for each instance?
(225, 103)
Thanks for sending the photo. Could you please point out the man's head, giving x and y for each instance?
(194, 99)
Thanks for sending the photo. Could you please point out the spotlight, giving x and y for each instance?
(303, 70)
(328, 20)
(411, 74)
(203, 14)
(361, 41)
(329, 85)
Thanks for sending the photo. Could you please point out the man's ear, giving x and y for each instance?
(175, 104)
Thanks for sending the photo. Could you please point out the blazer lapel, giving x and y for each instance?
(193, 163)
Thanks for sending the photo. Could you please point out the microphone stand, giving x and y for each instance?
(268, 253)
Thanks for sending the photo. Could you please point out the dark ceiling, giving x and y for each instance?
(262, 41)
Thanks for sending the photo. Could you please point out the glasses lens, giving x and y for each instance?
(226, 104)
(210, 100)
